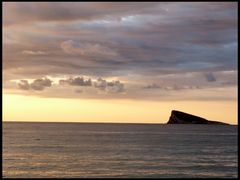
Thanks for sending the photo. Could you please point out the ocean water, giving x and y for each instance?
(119, 150)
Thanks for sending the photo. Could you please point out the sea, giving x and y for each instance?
(112, 150)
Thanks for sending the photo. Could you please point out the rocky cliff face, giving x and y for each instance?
(178, 117)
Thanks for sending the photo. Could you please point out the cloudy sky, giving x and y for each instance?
(119, 62)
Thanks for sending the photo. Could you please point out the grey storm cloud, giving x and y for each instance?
(113, 86)
(210, 77)
(126, 40)
(37, 84)
(138, 37)
(77, 81)
(69, 11)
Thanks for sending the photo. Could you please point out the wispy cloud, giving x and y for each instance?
(29, 52)
(88, 49)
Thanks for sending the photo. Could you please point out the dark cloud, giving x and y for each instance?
(40, 84)
(179, 87)
(138, 42)
(210, 77)
(159, 36)
(229, 83)
(100, 84)
(173, 87)
(152, 86)
(112, 87)
(24, 85)
(77, 81)
(69, 11)
(37, 84)
(88, 49)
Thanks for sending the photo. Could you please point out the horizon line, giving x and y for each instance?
(101, 122)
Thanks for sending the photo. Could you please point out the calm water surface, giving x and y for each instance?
(119, 150)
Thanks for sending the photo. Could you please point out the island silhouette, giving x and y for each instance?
(178, 117)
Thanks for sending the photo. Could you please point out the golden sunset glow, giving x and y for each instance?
(119, 62)
(120, 89)
(26, 108)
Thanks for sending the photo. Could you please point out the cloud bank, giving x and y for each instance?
(144, 46)
(37, 84)
(78, 81)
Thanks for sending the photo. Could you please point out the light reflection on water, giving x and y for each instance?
(118, 150)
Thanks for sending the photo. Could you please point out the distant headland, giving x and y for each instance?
(178, 117)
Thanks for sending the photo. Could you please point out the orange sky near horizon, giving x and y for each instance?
(119, 62)
(36, 109)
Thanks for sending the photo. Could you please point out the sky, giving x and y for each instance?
(126, 62)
